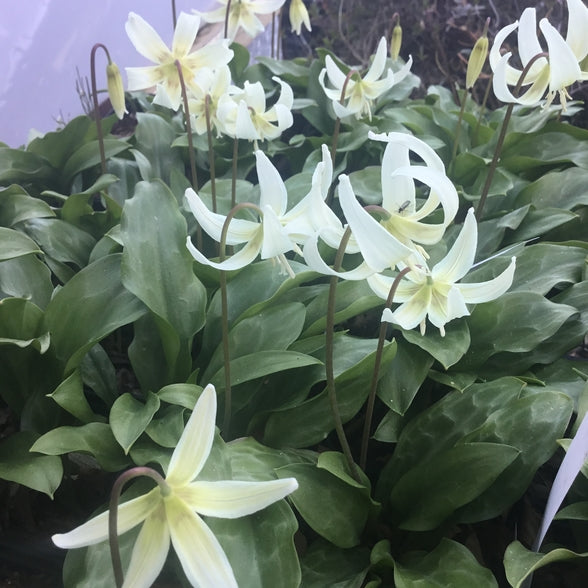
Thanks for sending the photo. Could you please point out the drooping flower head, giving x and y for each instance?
(360, 93)
(173, 514)
(552, 74)
(164, 76)
(436, 294)
(299, 16)
(242, 15)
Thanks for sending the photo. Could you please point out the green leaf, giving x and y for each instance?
(323, 564)
(70, 396)
(21, 325)
(168, 427)
(449, 564)
(157, 268)
(433, 490)
(97, 295)
(311, 421)
(15, 244)
(95, 439)
(129, 418)
(23, 167)
(519, 562)
(367, 184)
(26, 277)
(98, 373)
(264, 554)
(446, 350)
(334, 509)
(184, 395)
(39, 472)
(261, 363)
(558, 189)
(89, 155)
(16, 205)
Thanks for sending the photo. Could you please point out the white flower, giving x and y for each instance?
(553, 74)
(399, 191)
(243, 115)
(299, 16)
(270, 236)
(243, 14)
(360, 93)
(173, 514)
(208, 85)
(164, 75)
(436, 293)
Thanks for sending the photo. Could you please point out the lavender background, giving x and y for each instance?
(43, 41)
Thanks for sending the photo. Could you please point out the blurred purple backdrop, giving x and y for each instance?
(43, 41)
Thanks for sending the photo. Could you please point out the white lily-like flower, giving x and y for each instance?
(270, 237)
(299, 16)
(164, 75)
(553, 74)
(399, 191)
(243, 115)
(172, 514)
(243, 15)
(436, 294)
(360, 93)
(208, 85)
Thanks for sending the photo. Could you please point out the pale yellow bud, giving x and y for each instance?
(116, 91)
(299, 16)
(477, 59)
(396, 41)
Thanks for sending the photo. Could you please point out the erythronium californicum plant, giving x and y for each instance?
(355, 95)
(164, 75)
(553, 73)
(406, 447)
(170, 512)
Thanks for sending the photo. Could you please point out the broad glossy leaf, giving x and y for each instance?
(335, 510)
(15, 244)
(367, 184)
(184, 395)
(129, 417)
(446, 350)
(95, 439)
(61, 240)
(24, 167)
(519, 562)
(21, 324)
(89, 155)
(16, 205)
(17, 464)
(261, 363)
(26, 277)
(275, 327)
(168, 427)
(264, 553)
(404, 376)
(323, 564)
(442, 425)
(70, 396)
(311, 421)
(97, 295)
(434, 489)
(98, 373)
(157, 268)
(449, 564)
(557, 189)
(540, 222)
(532, 424)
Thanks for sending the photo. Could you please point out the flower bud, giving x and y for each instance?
(299, 16)
(116, 90)
(396, 41)
(477, 58)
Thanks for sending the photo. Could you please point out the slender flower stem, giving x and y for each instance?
(113, 511)
(226, 31)
(234, 174)
(97, 116)
(210, 152)
(502, 136)
(482, 109)
(174, 14)
(369, 413)
(338, 121)
(225, 313)
(329, 359)
(273, 50)
(458, 132)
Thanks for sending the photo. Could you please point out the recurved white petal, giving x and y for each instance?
(231, 499)
(195, 444)
(140, 78)
(474, 293)
(275, 238)
(460, 258)
(146, 40)
(243, 257)
(203, 560)
(414, 311)
(130, 514)
(150, 551)
(185, 33)
(379, 63)
(271, 186)
(379, 248)
(564, 67)
(418, 146)
(336, 76)
(576, 36)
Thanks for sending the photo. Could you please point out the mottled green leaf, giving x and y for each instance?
(129, 417)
